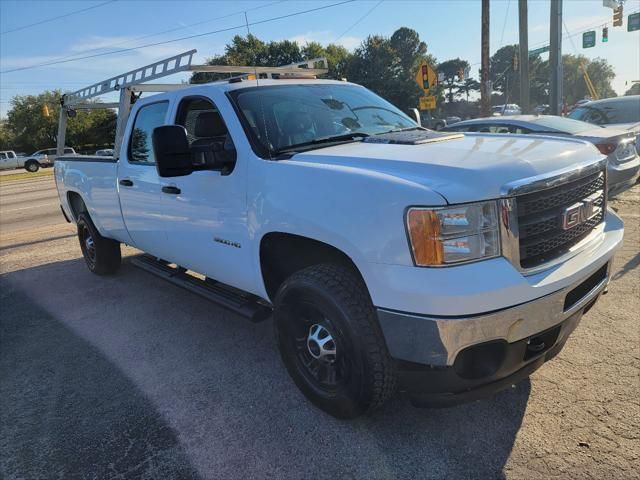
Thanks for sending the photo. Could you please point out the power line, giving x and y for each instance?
(568, 35)
(359, 20)
(124, 50)
(47, 20)
(142, 37)
(504, 25)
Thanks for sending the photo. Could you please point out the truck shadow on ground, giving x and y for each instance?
(128, 375)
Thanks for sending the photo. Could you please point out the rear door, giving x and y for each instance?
(206, 211)
(138, 181)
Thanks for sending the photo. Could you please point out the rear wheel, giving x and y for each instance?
(101, 254)
(32, 166)
(330, 341)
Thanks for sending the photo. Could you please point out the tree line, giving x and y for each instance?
(386, 65)
(32, 124)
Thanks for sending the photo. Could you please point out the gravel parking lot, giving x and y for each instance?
(130, 377)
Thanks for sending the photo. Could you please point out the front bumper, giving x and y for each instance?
(475, 379)
(437, 341)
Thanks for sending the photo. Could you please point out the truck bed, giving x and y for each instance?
(95, 179)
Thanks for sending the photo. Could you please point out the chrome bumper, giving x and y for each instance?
(437, 341)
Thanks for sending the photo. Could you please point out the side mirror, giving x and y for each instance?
(171, 149)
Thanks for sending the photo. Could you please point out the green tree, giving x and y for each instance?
(634, 90)
(450, 70)
(465, 88)
(32, 129)
(337, 57)
(6, 136)
(251, 51)
(388, 66)
(573, 82)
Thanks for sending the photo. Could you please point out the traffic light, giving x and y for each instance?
(617, 16)
(605, 34)
(425, 77)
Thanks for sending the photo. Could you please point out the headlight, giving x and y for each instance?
(463, 233)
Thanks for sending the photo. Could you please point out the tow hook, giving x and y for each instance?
(535, 345)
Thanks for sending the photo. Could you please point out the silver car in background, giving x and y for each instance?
(619, 145)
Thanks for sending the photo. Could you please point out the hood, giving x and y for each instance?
(467, 169)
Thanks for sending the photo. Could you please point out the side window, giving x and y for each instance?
(148, 117)
(207, 133)
(68, 151)
(3, 156)
(51, 151)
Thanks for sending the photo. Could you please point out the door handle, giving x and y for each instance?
(125, 182)
(171, 190)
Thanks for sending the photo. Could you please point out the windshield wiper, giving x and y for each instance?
(320, 141)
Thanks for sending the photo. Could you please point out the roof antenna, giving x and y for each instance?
(255, 72)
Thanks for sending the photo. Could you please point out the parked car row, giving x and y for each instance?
(616, 135)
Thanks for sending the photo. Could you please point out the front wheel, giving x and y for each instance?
(330, 341)
(101, 254)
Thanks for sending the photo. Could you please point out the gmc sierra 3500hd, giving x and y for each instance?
(389, 255)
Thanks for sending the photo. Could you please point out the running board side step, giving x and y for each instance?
(237, 301)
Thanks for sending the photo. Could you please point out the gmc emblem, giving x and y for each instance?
(581, 211)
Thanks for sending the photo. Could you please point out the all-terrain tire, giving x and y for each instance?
(101, 254)
(333, 299)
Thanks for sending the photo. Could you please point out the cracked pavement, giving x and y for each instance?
(130, 377)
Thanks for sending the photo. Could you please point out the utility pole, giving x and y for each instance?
(485, 88)
(524, 55)
(555, 56)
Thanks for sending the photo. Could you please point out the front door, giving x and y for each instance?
(139, 183)
(206, 211)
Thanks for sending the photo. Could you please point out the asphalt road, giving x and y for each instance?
(129, 377)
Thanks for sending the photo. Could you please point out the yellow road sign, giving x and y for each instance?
(427, 103)
(426, 77)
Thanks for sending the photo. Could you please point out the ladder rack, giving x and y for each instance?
(131, 81)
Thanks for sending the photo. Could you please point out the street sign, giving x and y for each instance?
(426, 77)
(589, 39)
(427, 103)
(633, 22)
(538, 51)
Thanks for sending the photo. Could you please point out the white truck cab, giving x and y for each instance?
(388, 255)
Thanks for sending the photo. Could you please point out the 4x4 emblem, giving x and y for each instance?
(581, 211)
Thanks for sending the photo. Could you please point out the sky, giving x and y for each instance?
(451, 28)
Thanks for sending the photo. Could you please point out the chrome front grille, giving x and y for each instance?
(552, 220)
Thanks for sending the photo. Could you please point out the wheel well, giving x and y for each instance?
(76, 203)
(283, 254)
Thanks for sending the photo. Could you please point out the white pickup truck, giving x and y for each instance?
(451, 266)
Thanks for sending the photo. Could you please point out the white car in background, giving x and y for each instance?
(42, 158)
(508, 109)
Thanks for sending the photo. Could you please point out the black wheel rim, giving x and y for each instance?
(88, 245)
(319, 350)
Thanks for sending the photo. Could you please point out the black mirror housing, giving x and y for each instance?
(171, 149)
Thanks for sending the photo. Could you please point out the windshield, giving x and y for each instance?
(625, 111)
(566, 125)
(281, 117)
